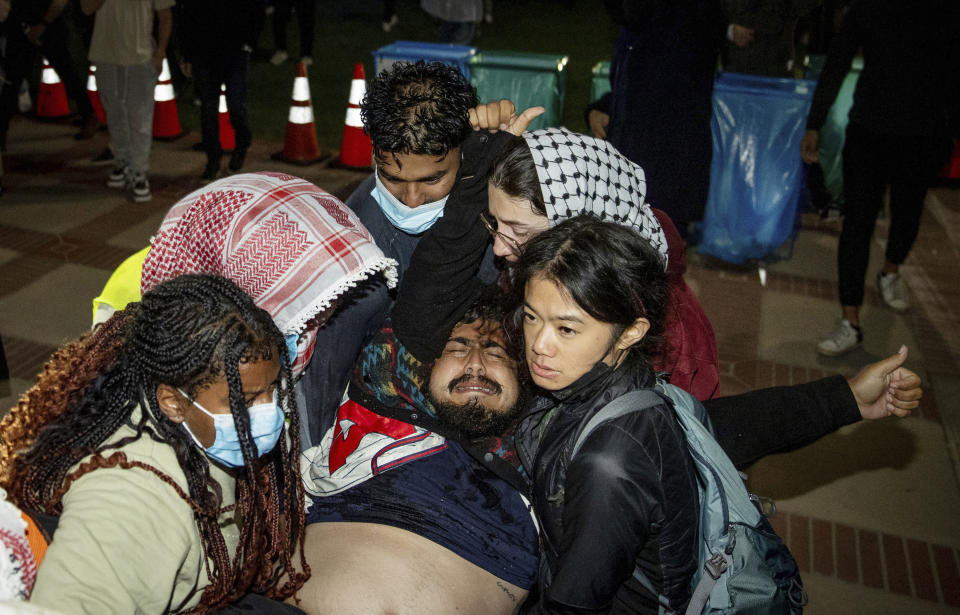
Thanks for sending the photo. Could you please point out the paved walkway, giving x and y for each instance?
(871, 512)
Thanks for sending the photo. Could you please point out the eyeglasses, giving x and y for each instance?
(491, 225)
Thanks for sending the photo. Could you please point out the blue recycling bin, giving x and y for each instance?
(411, 51)
(756, 177)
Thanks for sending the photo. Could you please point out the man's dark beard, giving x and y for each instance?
(472, 419)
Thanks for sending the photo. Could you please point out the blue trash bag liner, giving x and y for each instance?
(756, 177)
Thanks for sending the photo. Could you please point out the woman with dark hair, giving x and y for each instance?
(547, 176)
(594, 294)
(160, 441)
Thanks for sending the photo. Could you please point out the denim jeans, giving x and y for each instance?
(127, 96)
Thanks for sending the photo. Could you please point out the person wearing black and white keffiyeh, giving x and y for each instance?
(553, 174)
(580, 174)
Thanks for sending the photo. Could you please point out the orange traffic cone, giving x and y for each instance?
(355, 147)
(300, 143)
(166, 122)
(94, 95)
(52, 96)
(228, 139)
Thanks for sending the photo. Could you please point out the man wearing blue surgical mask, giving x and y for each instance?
(417, 116)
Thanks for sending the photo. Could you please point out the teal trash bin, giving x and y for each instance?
(411, 51)
(813, 66)
(599, 80)
(528, 79)
(834, 131)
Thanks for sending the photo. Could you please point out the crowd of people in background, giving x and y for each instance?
(208, 42)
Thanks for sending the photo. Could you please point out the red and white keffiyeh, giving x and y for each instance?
(18, 567)
(294, 248)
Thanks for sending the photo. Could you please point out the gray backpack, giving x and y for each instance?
(744, 566)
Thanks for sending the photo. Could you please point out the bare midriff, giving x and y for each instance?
(372, 569)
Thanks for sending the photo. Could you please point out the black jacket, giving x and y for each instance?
(628, 498)
(910, 82)
(584, 549)
(214, 31)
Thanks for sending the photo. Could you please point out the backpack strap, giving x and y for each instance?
(713, 568)
(636, 401)
(633, 401)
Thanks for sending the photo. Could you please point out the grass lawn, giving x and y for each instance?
(349, 31)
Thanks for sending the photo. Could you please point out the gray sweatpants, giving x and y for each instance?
(127, 96)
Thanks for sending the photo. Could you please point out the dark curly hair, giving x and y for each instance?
(187, 332)
(418, 108)
(608, 269)
(492, 307)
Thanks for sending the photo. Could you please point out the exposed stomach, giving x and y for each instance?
(372, 569)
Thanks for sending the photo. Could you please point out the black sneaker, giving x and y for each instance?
(140, 188)
(118, 177)
(237, 159)
(212, 168)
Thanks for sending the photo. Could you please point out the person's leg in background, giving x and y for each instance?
(864, 179)
(281, 17)
(18, 58)
(207, 86)
(141, 80)
(112, 85)
(390, 18)
(236, 82)
(306, 21)
(917, 160)
(54, 48)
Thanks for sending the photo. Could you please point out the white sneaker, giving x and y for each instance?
(279, 57)
(844, 338)
(24, 102)
(140, 188)
(118, 177)
(893, 291)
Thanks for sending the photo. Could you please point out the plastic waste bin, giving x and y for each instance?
(411, 51)
(756, 177)
(599, 80)
(528, 79)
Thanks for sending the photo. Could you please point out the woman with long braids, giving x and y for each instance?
(167, 443)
